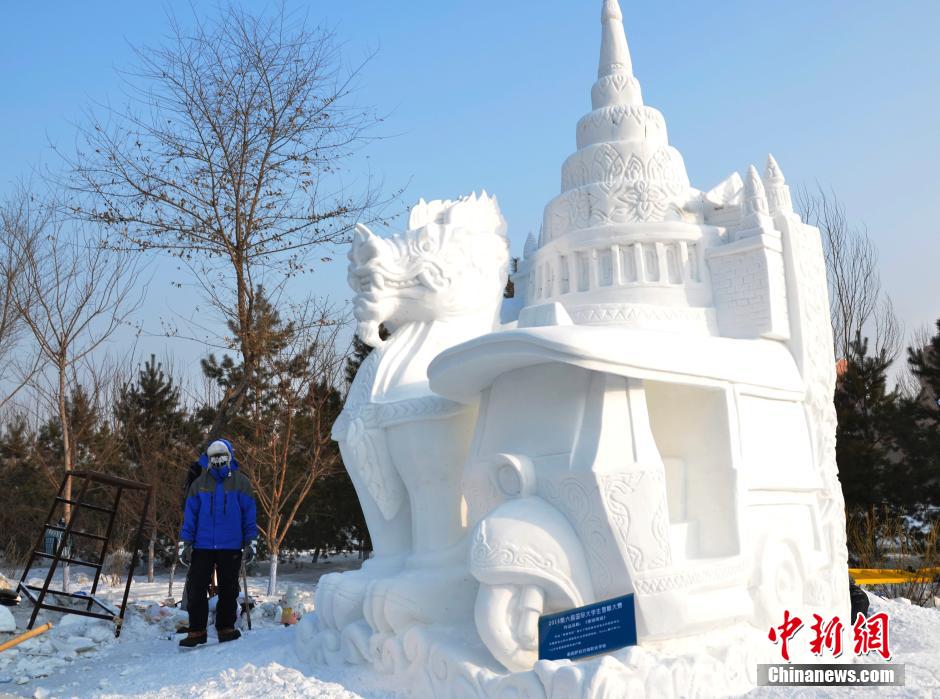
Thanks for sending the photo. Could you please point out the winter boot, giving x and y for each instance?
(193, 639)
(229, 635)
(858, 599)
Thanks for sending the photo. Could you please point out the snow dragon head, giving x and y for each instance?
(452, 261)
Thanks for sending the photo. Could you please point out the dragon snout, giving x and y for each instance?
(370, 310)
(367, 281)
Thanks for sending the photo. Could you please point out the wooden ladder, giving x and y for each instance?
(68, 531)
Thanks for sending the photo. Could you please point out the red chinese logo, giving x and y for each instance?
(788, 629)
(828, 637)
(870, 635)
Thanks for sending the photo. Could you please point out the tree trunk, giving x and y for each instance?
(150, 554)
(316, 555)
(169, 592)
(272, 575)
(67, 453)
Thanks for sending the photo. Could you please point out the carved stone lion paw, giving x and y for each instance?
(317, 644)
(419, 597)
(339, 598)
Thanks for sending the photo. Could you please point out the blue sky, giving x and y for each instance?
(485, 94)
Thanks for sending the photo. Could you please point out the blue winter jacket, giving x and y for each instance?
(220, 507)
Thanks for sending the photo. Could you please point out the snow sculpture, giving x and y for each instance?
(657, 420)
(433, 287)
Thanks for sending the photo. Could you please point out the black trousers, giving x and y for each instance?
(228, 563)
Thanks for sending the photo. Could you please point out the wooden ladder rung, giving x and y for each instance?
(86, 505)
(80, 612)
(63, 559)
(77, 532)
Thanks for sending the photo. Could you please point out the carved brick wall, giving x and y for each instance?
(749, 288)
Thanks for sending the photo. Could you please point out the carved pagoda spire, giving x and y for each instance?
(615, 54)
(615, 82)
(773, 173)
(755, 219)
(755, 198)
(778, 193)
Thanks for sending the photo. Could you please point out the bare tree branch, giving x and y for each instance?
(18, 361)
(239, 129)
(857, 302)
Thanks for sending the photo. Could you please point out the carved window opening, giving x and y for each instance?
(690, 426)
(564, 280)
(651, 262)
(694, 272)
(584, 272)
(628, 264)
(672, 264)
(605, 263)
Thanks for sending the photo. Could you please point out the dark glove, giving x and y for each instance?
(250, 551)
(185, 553)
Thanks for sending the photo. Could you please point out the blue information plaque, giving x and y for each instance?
(597, 628)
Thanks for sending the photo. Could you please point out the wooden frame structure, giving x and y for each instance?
(37, 595)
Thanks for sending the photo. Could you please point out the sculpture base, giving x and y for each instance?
(450, 663)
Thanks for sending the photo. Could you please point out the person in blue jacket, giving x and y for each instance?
(218, 525)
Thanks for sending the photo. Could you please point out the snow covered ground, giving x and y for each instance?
(81, 658)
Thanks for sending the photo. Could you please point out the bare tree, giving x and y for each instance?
(857, 300)
(230, 158)
(72, 294)
(887, 328)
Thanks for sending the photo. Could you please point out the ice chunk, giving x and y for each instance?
(7, 622)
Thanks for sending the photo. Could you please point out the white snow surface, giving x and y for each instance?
(81, 658)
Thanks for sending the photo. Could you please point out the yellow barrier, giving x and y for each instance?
(878, 576)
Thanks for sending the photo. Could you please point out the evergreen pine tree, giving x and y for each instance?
(866, 449)
(510, 290)
(332, 517)
(156, 440)
(925, 364)
(360, 350)
(94, 447)
(26, 493)
(921, 431)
